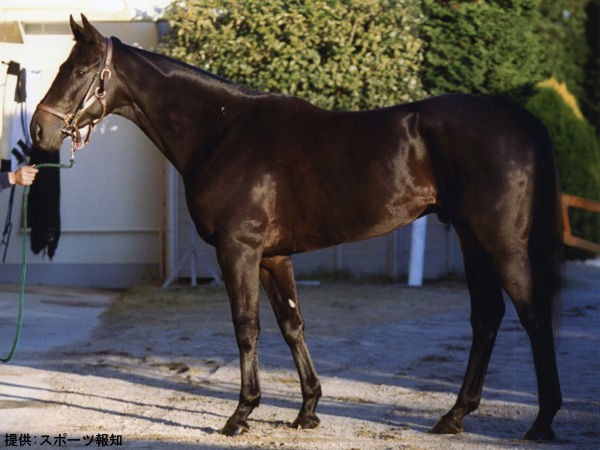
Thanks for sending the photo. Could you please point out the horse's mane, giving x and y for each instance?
(164, 64)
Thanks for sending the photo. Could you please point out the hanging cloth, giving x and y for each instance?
(43, 214)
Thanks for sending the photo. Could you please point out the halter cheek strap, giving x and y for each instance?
(93, 94)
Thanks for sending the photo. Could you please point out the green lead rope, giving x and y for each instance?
(24, 257)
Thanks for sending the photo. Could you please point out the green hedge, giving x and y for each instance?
(353, 54)
(577, 156)
(484, 47)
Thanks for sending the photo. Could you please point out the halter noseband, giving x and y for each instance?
(103, 74)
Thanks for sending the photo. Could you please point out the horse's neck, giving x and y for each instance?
(178, 108)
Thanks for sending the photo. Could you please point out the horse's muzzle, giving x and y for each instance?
(46, 132)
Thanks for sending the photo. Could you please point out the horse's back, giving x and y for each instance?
(354, 175)
(320, 178)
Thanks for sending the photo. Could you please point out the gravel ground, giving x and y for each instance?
(157, 368)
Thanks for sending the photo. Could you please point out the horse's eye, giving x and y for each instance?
(79, 73)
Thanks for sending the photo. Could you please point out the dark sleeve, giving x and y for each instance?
(4, 183)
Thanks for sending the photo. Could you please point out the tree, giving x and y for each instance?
(563, 33)
(353, 54)
(591, 100)
(483, 47)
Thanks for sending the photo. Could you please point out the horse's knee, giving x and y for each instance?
(292, 331)
(247, 334)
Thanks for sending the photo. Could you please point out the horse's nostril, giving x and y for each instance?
(39, 133)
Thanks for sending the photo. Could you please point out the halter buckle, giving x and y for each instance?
(100, 92)
(105, 72)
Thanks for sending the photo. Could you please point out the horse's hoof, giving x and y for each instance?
(539, 434)
(447, 425)
(306, 422)
(235, 428)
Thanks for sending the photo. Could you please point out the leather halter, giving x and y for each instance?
(102, 76)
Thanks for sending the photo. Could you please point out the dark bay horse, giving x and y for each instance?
(269, 175)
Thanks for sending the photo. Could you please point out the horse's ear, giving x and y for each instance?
(78, 33)
(91, 34)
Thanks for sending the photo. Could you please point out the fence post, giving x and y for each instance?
(417, 252)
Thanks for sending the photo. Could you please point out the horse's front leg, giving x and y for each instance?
(240, 265)
(277, 276)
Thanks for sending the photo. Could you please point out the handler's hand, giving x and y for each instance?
(23, 176)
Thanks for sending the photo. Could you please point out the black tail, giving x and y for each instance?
(545, 241)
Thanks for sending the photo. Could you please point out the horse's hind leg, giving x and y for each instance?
(535, 314)
(509, 255)
(277, 277)
(487, 310)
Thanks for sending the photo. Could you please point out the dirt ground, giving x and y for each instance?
(158, 368)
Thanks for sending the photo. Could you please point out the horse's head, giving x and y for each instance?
(78, 95)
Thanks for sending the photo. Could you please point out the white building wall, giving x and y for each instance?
(113, 199)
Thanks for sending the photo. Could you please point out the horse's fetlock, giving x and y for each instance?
(472, 406)
(318, 392)
(253, 401)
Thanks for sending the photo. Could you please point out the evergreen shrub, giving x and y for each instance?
(577, 156)
(487, 47)
(355, 54)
